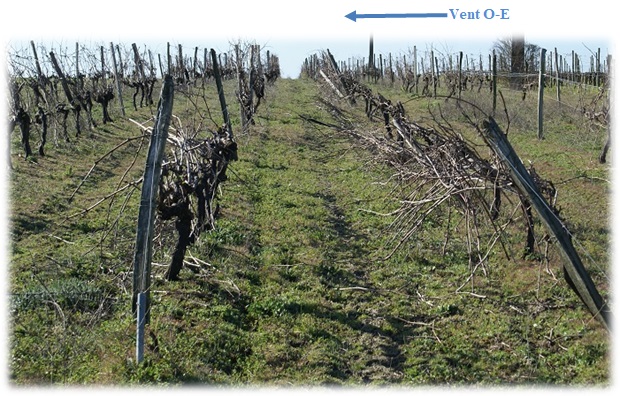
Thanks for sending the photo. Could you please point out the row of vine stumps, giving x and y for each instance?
(197, 155)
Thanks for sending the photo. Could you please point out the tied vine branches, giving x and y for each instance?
(189, 183)
(439, 169)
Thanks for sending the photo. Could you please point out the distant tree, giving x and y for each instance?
(504, 49)
(517, 61)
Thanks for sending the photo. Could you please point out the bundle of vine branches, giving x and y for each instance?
(439, 170)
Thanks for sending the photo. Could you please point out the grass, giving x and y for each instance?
(296, 288)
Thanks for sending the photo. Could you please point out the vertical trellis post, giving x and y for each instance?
(460, 72)
(240, 88)
(405, 71)
(415, 68)
(541, 89)
(254, 49)
(195, 65)
(204, 62)
(148, 199)
(259, 62)
(151, 66)
(103, 73)
(168, 59)
(557, 74)
(598, 68)
(437, 75)
(181, 63)
(494, 79)
(77, 63)
(391, 69)
(433, 75)
(371, 59)
(603, 156)
(573, 66)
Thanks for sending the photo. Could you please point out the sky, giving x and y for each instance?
(293, 52)
(294, 30)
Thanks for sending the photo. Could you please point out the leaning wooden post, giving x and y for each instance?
(118, 80)
(148, 199)
(140, 325)
(161, 67)
(73, 101)
(331, 84)
(63, 79)
(220, 93)
(343, 81)
(120, 61)
(37, 64)
(138, 62)
(577, 276)
(541, 90)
